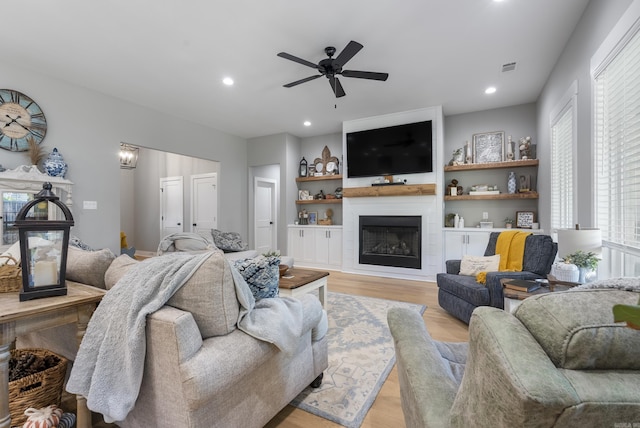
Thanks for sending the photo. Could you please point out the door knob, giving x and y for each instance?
(194, 225)
(179, 224)
(270, 222)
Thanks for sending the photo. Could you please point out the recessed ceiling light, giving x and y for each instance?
(307, 123)
(490, 90)
(227, 81)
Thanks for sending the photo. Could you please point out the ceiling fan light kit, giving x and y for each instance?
(331, 68)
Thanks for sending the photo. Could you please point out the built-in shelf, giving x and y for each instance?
(492, 165)
(319, 201)
(529, 195)
(391, 190)
(320, 178)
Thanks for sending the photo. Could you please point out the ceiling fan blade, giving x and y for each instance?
(348, 52)
(365, 75)
(297, 82)
(296, 59)
(336, 87)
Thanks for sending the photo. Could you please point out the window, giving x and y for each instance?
(617, 146)
(615, 68)
(563, 188)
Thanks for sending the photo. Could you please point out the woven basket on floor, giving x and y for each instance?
(36, 390)
(10, 276)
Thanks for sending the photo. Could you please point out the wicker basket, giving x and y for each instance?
(10, 276)
(36, 390)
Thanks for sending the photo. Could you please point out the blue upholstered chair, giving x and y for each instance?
(460, 295)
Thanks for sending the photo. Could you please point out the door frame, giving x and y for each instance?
(274, 208)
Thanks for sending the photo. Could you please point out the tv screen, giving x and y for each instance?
(401, 149)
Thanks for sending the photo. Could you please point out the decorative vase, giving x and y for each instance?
(511, 183)
(55, 165)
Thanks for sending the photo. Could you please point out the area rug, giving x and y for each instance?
(361, 356)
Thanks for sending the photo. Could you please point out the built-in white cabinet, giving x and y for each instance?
(460, 242)
(316, 246)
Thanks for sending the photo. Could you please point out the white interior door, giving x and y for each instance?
(171, 206)
(204, 202)
(265, 214)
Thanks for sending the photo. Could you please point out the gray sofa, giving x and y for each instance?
(460, 295)
(200, 369)
(558, 361)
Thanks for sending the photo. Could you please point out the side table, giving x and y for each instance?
(299, 281)
(513, 298)
(18, 318)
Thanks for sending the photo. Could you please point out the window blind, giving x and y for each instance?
(562, 185)
(617, 147)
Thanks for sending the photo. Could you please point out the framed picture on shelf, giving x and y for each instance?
(488, 147)
(303, 195)
(525, 219)
(313, 217)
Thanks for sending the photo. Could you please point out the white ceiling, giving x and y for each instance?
(171, 55)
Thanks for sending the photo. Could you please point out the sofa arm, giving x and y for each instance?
(453, 266)
(509, 380)
(314, 317)
(176, 331)
(427, 385)
(496, 296)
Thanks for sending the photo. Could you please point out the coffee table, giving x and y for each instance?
(297, 281)
(513, 298)
(17, 318)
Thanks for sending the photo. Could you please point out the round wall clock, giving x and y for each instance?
(20, 119)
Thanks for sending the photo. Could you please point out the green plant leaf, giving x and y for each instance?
(627, 313)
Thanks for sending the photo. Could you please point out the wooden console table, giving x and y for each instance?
(18, 318)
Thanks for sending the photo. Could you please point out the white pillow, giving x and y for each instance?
(473, 265)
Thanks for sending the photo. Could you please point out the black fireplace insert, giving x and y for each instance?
(391, 241)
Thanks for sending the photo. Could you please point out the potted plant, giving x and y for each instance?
(508, 222)
(586, 261)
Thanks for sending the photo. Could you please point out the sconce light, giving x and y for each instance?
(128, 156)
(43, 248)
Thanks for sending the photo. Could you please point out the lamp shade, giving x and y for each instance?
(572, 240)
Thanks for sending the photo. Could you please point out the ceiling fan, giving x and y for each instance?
(331, 68)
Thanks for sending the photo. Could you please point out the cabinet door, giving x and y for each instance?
(477, 243)
(454, 244)
(335, 248)
(301, 245)
(322, 246)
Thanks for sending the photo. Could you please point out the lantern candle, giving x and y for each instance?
(45, 272)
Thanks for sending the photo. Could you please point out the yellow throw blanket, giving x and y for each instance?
(510, 246)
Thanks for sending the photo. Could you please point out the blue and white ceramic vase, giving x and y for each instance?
(511, 182)
(55, 164)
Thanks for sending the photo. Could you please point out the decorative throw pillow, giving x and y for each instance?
(88, 267)
(473, 265)
(262, 275)
(228, 241)
(117, 269)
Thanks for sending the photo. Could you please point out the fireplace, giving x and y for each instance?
(390, 241)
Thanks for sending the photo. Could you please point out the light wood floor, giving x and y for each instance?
(386, 411)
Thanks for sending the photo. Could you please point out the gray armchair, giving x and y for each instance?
(460, 295)
(550, 364)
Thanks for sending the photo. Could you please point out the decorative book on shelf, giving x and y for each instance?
(522, 285)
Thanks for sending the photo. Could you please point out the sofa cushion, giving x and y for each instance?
(473, 265)
(88, 267)
(117, 269)
(192, 244)
(262, 275)
(228, 241)
(577, 331)
(464, 287)
(210, 296)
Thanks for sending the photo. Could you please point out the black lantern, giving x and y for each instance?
(303, 167)
(43, 247)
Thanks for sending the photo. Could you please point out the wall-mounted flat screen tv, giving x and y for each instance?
(401, 149)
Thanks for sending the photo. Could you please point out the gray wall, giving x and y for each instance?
(574, 65)
(517, 121)
(87, 127)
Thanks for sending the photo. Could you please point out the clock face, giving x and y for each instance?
(20, 120)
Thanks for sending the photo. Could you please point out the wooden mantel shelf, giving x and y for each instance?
(392, 190)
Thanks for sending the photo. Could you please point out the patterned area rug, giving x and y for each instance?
(361, 356)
